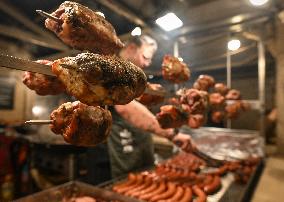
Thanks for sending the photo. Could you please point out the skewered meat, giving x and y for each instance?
(154, 94)
(171, 117)
(100, 80)
(216, 99)
(81, 124)
(196, 120)
(204, 82)
(217, 116)
(194, 101)
(83, 29)
(174, 70)
(233, 94)
(233, 110)
(43, 84)
(221, 88)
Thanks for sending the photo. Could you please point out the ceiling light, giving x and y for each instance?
(234, 44)
(258, 2)
(37, 110)
(169, 22)
(136, 31)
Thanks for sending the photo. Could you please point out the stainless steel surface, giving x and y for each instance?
(38, 122)
(24, 65)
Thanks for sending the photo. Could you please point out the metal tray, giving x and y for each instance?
(74, 189)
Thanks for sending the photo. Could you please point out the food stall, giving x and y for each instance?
(201, 78)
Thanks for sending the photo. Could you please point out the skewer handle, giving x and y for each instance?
(39, 122)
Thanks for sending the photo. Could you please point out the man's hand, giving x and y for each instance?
(184, 142)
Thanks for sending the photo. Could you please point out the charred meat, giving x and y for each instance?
(83, 29)
(100, 80)
(174, 70)
(43, 84)
(80, 124)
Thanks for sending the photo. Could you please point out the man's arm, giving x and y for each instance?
(139, 116)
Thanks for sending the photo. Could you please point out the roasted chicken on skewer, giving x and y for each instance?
(83, 29)
(80, 124)
(43, 84)
(100, 80)
(174, 70)
(154, 94)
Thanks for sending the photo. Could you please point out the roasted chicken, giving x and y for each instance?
(174, 70)
(154, 94)
(80, 124)
(233, 94)
(204, 82)
(171, 116)
(43, 84)
(100, 80)
(221, 88)
(83, 29)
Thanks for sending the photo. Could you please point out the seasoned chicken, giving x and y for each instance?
(233, 94)
(43, 84)
(154, 94)
(204, 82)
(221, 88)
(80, 124)
(174, 70)
(100, 80)
(83, 29)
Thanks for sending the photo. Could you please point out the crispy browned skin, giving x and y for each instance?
(100, 80)
(171, 117)
(204, 82)
(233, 94)
(43, 84)
(174, 70)
(152, 99)
(81, 124)
(84, 29)
(221, 88)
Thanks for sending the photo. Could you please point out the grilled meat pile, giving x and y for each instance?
(204, 82)
(100, 80)
(174, 70)
(154, 94)
(43, 84)
(83, 29)
(80, 124)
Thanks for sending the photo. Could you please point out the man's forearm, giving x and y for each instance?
(139, 116)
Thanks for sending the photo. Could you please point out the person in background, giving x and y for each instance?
(130, 144)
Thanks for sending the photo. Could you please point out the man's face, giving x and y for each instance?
(142, 56)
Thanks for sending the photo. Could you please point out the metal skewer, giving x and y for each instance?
(47, 15)
(39, 122)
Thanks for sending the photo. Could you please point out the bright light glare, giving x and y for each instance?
(234, 44)
(258, 2)
(136, 31)
(100, 13)
(169, 22)
(180, 59)
(37, 110)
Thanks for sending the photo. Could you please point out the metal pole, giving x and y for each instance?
(176, 54)
(261, 85)
(229, 81)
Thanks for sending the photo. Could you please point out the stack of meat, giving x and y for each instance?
(174, 70)
(180, 179)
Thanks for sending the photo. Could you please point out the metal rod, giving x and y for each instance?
(66, 66)
(176, 54)
(229, 79)
(261, 85)
(48, 15)
(39, 122)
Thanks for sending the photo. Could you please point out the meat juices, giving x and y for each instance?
(80, 124)
(99, 80)
(83, 29)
